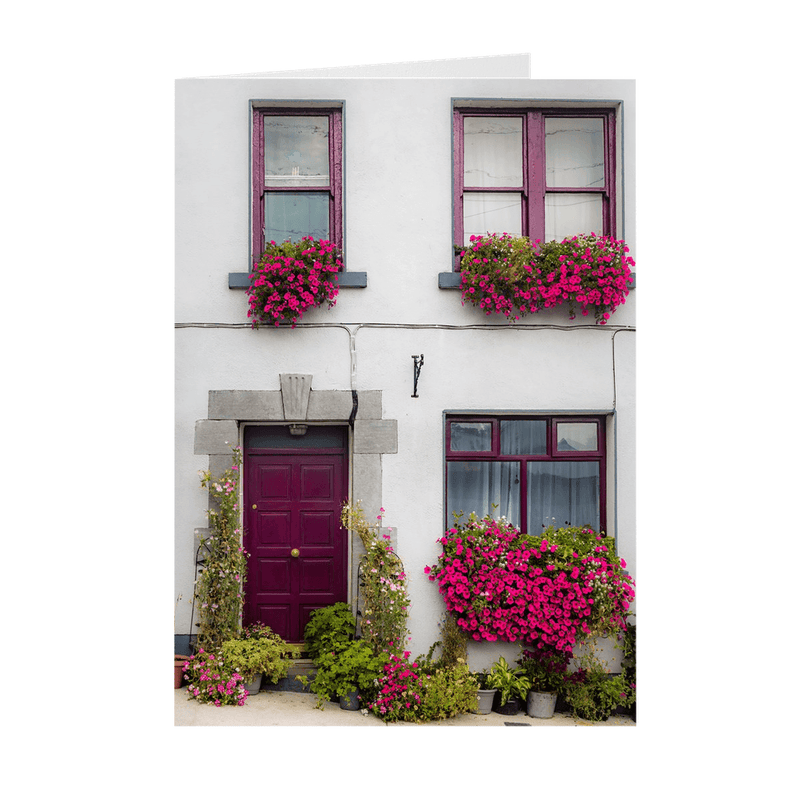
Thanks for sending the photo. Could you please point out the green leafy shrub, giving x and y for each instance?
(508, 681)
(593, 693)
(351, 667)
(329, 628)
(268, 655)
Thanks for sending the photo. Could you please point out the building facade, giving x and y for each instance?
(399, 396)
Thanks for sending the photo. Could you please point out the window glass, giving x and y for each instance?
(574, 152)
(292, 215)
(483, 487)
(571, 214)
(472, 437)
(576, 436)
(493, 151)
(489, 213)
(296, 151)
(563, 494)
(523, 437)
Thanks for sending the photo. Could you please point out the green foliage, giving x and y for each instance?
(219, 591)
(510, 682)
(545, 668)
(329, 628)
(267, 655)
(593, 693)
(453, 646)
(383, 584)
(352, 667)
(446, 692)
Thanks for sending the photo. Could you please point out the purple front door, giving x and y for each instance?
(293, 493)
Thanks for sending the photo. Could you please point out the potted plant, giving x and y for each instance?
(593, 693)
(261, 655)
(212, 680)
(545, 668)
(329, 628)
(292, 277)
(484, 694)
(512, 686)
(348, 673)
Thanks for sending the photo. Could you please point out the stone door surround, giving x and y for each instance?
(372, 438)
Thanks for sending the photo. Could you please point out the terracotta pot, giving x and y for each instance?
(179, 662)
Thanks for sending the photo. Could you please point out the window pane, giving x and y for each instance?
(474, 486)
(574, 152)
(492, 213)
(571, 214)
(523, 437)
(493, 151)
(471, 437)
(296, 151)
(563, 494)
(576, 436)
(292, 215)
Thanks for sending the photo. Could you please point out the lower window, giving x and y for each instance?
(535, 471)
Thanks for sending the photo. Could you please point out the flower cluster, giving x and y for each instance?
(552, 589)
(400, 689)
(210, 681)
(503, 274)
(292, 277)
(382, 582)
(220, 586)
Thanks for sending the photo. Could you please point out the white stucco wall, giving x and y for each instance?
(398, 229)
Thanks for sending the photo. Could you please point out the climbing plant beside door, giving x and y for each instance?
(223, 560)
(383, 584)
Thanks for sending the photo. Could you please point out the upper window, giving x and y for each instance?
(297, 175)
(535, 471)
(544, 174)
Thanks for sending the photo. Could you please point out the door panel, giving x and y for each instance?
(294, 535)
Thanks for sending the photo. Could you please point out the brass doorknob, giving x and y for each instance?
(254, 506)
(295, 553)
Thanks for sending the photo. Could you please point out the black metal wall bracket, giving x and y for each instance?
(418, 362)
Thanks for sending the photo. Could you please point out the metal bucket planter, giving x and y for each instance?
(542, 705)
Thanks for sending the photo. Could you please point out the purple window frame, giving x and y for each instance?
(335, 163)
(553, 454)
(534, 188)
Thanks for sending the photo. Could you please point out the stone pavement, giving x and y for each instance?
(277, 708)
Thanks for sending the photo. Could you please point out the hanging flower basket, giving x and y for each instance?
(504, 274)
(292, 277)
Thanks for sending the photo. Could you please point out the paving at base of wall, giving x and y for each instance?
(298, 708)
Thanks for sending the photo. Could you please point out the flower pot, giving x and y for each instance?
(510, 709)
(485, 701)
(254, 686)
(349, 701)
(179, 662)
(542, 705)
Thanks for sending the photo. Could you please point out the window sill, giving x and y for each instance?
(452, 280)
(347, 280)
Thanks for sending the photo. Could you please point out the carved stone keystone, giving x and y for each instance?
(295, 390)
